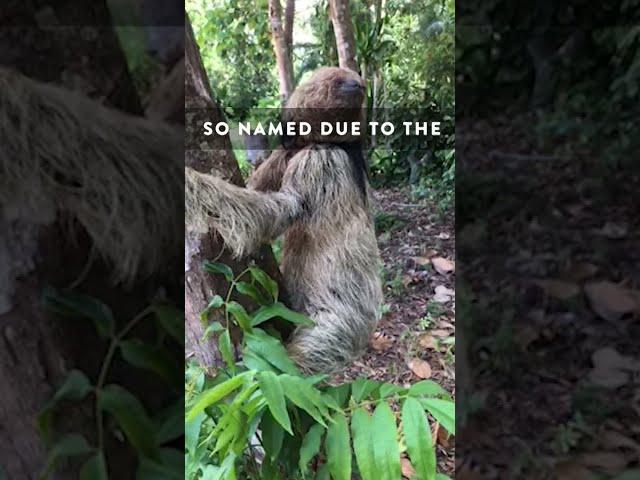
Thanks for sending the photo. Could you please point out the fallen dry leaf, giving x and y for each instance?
(420, 368)
(581, 271)
(609, 300)
(443, 236)
(610, 462)
(613, 230)
(434, 433)
(444, 437)
(407, 469)
(442, 265)
(559, 288)
(427, 342)
(610, 369)
(571, 470)
(440, 333)
(422, 261)
(380, 341)
(443, 294)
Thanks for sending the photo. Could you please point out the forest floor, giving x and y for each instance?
(415, 340)
(548, 234)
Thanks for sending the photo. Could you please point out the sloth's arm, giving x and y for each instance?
(268, 176)
(244, 218)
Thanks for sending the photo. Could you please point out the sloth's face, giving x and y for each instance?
(330, 88)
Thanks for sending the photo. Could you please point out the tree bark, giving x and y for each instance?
(281, 47)
(200, 286)
(289, 16)
(345, 37)
(80, 53)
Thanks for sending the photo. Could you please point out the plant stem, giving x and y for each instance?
(104, 369)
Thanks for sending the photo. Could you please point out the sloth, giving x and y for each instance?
(315, 190)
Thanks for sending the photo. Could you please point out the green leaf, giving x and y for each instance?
(339, 449)
(240, 314)
(75, 387)
(417, 436)
(75, 305)
(170, 423)
(310, 446)
(214, 327)
(95, 468)
(144, 356)
(252, 292)
(71, 445)
(265, 282)
(215, 302)
(340, 393)
(255, 362)
(280, 310)
(363, 440)
(274, 395)
(213, 267)
(272, 435)
(427, 388)
(323, 472)
(170, 466)
(387, 389)
(385, 448)
(362, 388)
(226, 349)
(171, 320)
(131, 417)
(444, 411)
(304, 396)
(270, 349)
(211, 396)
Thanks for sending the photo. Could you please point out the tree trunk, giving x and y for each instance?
(345, 38)
(201, 286)
(281, 47)
(80, 53)
(289, 16)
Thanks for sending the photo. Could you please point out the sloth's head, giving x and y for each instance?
(329, 87)
(331, 94)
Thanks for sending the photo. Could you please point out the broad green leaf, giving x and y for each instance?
(385, 448)
(170, 466)
(362, 388)
(265, 281)
(213, 327)
(270, 349)
(226, 349)
(240, 314)
(131, 418)
(71, 304)
(310, 446)
(444, 411)
(213, 395)
(252, 292)
(255, 362)
(363, 440)
(75, 387)
(214, 267)
(280, 310)
(387, 389)
(71, 445)
(323, 473)
(158, 360)
(442, 476)
(95, 468)
(274, 395)
(170, 423)
(339, 448)
(272, 435)
(304, 396)
(171, 320)
(340, 393)
(427, 388)
(417, 436)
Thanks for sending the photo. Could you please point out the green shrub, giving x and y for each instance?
(261, 418)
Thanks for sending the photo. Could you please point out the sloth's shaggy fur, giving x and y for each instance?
(330, 255)
(115, 174)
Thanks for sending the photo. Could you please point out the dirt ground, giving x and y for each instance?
(415, 340)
